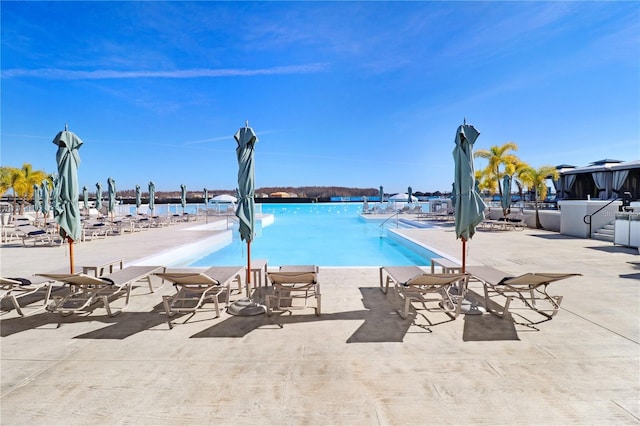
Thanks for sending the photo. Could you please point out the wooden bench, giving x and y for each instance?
(259, 272)
(447, 266)
(100, 269)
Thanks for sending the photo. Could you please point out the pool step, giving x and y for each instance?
(406, 224)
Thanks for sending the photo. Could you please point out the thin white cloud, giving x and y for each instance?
(226, 138)
(64, 74)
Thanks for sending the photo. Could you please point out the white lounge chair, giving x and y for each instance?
(34, 234)
(95, 229)
(513, 221)
(292, 283)
(85, 290)
(16, 288)
(412, 284)
(193, 289)
(530, 289)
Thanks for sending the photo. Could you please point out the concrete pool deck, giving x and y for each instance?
(357, 364)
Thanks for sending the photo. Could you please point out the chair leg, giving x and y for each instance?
(16, 305)
(267, 302)
(488, 302)
(105, 302)
(216, 303)
(404, 314)
(167, 309)
(318, 303)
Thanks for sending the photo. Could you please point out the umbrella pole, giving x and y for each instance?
(71, 265)
(248, 266)
(464, 254)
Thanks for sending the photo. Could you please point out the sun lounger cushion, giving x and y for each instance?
(16, 281)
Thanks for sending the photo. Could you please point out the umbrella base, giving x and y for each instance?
(471, 308)
(246, 307)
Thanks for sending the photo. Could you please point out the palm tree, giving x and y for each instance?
(5, 179)
(13, 179)
(484, 183)
(520, 167)
(21, 181)
(501, 163)
(536, 179)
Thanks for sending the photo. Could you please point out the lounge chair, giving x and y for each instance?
(417, 209)
(530, 289)
(513, 221)
(516, 221)
(442, 213)
(85, 290)
(291, 283)
(15, 288)
(95, 229)
(412, 284)
(193, 289)
(33, 234)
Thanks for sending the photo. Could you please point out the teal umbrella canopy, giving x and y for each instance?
(111, 193)
(55, 196)
(138, 197)
(206, 196)
(453, 194)
(469, 211)
(246, 139)
(152, 196)
(183, 196)
(67, 209)
(98, 196)
(44, 188)
(85, 198)
(506, 192)
(37, 204)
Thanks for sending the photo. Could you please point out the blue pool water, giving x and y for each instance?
(321, 234)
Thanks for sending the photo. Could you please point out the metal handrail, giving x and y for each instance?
(390, 217)
(584, 219)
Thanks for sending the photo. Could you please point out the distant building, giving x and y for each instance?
(279, 195)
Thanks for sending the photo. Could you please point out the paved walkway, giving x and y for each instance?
(357, 364)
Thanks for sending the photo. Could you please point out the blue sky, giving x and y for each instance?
(357, 94)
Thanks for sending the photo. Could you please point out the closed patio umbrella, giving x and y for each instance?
(381, 194)
(111, 206)
(85, 199)
(183, 197)
(453, 194)
(37, 205)
(206, 205)
(246, 140)
(469, 211)
(138, 199)
(44, 187)
(410, 195)
(55, 196)
(98, 196)
(152, 196)
(506, 194)
(67, 206)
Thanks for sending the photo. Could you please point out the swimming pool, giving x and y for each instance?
(329, 234)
